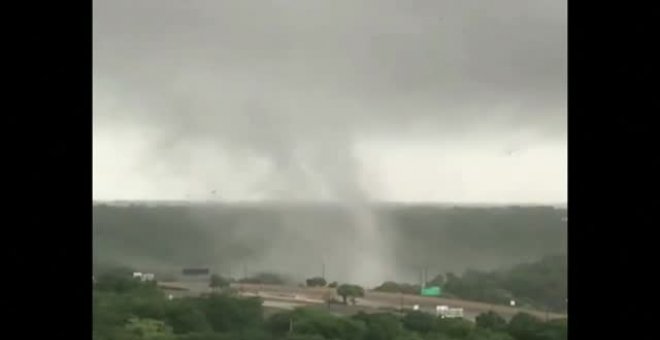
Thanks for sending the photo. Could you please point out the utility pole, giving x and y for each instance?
(421, 278)
(323, 270)
(423, 273)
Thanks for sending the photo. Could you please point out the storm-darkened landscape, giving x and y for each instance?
(298, 240)
(329, 170)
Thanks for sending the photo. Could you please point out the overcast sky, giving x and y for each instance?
(427, 100)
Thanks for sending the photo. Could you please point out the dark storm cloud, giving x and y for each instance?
(297, 84)
(204, 68)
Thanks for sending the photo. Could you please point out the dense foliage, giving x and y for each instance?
(316, 282)
(394, 287)
(218, 281)
(349, 291)
(227, 237)
(541, 284)
(126, 309)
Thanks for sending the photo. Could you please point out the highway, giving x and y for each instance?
(290, 297)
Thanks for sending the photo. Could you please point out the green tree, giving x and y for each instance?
(149, 329)
(393, 287)
(417, 321)
(554, 330)
(316, 322)
(186, 317)
(333, 284)
(350, 291)
(524, 326)
(487, 334)
(119, 298)
(304, 337)
(380, 326)
(147, 302)
(202, 336)
(491, 320)
(389, 287)
(119, 282)
(251, 334)
(279, 323)
(457, 328)
(437, 336)
(227, 313)
(316, 282)
(408, 336)
(218, 281)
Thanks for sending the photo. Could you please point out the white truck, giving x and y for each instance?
(448, 312)
(143, 276)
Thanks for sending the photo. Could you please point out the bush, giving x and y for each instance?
(316, 282)
(417, 321)
(491, 321)
(226, 313)
(350, 291)
(279, 323)
(117, 282)
(218, 281)
(315, 322)
(304, 337)
(186, 317)
(524, 326)
(454, 327)
(393, 287)
(381, 326)
(148, 329)
(487, 334)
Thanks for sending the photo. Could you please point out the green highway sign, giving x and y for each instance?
(431, 291)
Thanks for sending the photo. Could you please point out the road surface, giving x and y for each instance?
(290, 297)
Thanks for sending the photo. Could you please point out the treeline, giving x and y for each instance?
(541, 284)
(129, 310)
(226, 238)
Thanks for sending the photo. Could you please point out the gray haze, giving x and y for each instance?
(342, 101)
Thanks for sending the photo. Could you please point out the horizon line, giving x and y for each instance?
(236, 202)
